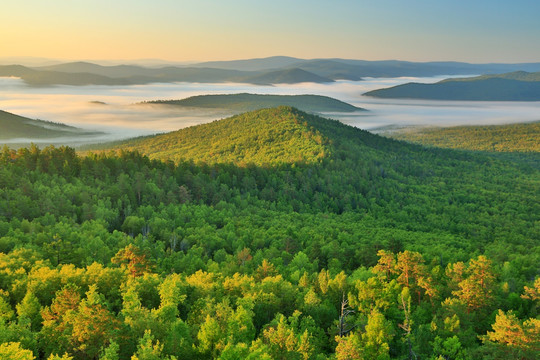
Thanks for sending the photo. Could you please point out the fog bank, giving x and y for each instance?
(114, 109)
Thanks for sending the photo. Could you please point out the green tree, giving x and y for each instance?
(29, 309)
(148, 350)
(110, 352)
(377, 335)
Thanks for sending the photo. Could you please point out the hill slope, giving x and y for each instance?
(270, 249)
(248, 102)
(516, 86)
(500, 138)
(15, 126)
(268, 136)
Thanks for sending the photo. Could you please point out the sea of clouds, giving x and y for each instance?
(116, 109)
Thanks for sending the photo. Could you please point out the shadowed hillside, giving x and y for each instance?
(516, 86)
(248, 102)
(15, 126)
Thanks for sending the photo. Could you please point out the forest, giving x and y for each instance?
(514, 86)
(514, 138)
(274, 234)
(248, 102)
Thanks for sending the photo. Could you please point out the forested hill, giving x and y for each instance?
(14, 126)
(261, 137)
(499, 138)
(248, 102)
(515, 86)
(435, 252)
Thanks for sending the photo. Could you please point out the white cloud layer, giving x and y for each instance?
(80, 105)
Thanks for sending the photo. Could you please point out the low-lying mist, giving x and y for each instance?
(116, 109)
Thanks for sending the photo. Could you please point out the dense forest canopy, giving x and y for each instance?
(250, 102)
(347, 246)
(500, 138)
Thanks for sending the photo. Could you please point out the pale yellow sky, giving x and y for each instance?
(177, 30)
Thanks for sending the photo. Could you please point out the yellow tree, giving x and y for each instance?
(532, 293)
(284, 343)
(77, 327)
(265, 270)
(13, 351)
(413, 274)
(349, 347)
(135, 260)
(474, 284)
(92, 326)
(55, 332)
(516, 338)
(386, 266)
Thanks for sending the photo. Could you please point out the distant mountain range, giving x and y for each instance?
(356, 69)
(515, 86)
(271, 70)
(92, 74)
(249, 102)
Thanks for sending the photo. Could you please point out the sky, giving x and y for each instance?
(477, 31)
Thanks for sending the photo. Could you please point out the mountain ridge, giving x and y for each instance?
(250, 102)
(271, 70)
(16, 126)
(261, 137)
(514, 86)
(84, 73)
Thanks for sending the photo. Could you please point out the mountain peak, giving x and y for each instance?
(263, 137)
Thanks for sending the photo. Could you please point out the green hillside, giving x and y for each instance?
(265, 229)
(499, 138)
(268, 136)
(516, 86)
(248, 102)
(14, 126)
